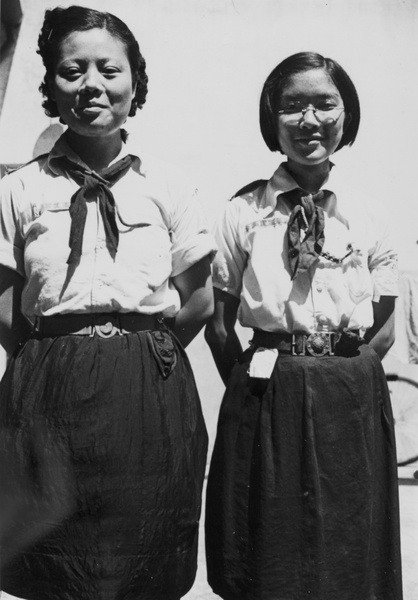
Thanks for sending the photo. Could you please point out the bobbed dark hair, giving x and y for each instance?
(277, 80)
(59, 23)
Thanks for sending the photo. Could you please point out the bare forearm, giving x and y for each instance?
(196, 296)
(13, 325)
(190, 320)
(381, 341)
(382, 335)
(225, 347)
(220, 333)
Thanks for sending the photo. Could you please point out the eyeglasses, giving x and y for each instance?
(324, 113)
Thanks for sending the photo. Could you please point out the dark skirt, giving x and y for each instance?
(102, 466)
(302, 498)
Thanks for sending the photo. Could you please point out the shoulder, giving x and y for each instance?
(152, 166)
(245, 205)
(366, 215)
(356, 198)
(25, 173)
(252, 189)
(165, 177)
(361, 205)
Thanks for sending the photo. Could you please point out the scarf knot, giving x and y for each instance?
(93, 182)
(305, 230)
(98, 185)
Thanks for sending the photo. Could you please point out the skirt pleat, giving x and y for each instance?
(302, 498)
(102, 467)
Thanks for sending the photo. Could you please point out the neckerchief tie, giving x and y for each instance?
(306, 216)
(93, 185)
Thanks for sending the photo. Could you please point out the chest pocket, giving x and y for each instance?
(265, 238)
(49, 219)
(136, 213)
(39, 209)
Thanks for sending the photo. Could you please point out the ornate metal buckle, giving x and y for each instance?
(106, 330)
(319, 344)
(294, 345)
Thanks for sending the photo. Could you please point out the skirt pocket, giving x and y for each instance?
(164, 351)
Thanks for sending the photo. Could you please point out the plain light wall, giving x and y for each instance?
(207, 61)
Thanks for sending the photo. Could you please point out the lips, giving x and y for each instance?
(91, 107)
(309, 139)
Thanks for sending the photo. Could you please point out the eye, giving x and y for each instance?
(70, 73)
(291, 108)
(326, 105)
(109, 69)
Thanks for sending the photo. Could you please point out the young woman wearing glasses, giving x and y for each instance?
(302, 493)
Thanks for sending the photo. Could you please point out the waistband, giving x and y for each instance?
(318, 343)
(105, 325)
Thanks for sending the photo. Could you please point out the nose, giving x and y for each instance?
(309, 118)
(92, 81)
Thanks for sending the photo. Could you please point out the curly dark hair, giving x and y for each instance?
(59, 23)
(279, 77)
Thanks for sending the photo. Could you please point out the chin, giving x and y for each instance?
(311, 160)
(94, 130)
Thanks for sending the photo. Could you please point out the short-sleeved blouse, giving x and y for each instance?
(162, 232)
(251, 262)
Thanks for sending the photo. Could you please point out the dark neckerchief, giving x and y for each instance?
(307, 216)
(93, 185)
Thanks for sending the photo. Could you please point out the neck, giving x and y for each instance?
(96, 153)
(309, 177)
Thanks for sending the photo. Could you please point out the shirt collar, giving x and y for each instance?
(282, 181)
(62, 148)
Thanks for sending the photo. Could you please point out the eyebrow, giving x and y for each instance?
(319, 96)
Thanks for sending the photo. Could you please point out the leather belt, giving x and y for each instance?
(318, 343)
(105, 325)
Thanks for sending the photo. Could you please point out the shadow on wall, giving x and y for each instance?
(10, 21)
(43, 145)
(47, 139)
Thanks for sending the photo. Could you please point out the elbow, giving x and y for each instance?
(209, 333)
(209, 308)
(206, 309)
(388, 337)
(382, 343)
(391, 339)
(214, 333)
(388, 342)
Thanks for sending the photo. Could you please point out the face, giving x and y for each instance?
(92, 85)
(305, 140)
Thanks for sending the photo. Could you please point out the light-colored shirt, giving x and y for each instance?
(251, 263)
(162, 232)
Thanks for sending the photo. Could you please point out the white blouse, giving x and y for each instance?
(162, 232)
(251, 263)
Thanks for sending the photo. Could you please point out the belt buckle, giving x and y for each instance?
(319, 344)
(107, 330)
(294, 345)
